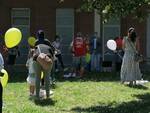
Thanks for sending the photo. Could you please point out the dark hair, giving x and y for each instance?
(40, 34)
(57, 36)
(79, 34)
(132, 34)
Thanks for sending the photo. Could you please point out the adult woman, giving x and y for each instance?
(41, 43)
(130, 71)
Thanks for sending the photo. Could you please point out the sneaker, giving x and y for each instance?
(65, 69)
(56, 70)
(42, 93)
(74, 75)
(4, 106)
(51, 92)
(66, 76)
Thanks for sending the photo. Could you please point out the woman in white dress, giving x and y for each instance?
(130, 71)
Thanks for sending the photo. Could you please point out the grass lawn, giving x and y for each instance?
(96, 93)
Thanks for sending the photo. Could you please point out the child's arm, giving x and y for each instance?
(27, 63)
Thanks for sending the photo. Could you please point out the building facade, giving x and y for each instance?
(62, 18)
(50, 15)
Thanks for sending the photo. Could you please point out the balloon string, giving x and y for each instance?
(118, 54)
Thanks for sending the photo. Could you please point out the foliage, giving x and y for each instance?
(118, 8)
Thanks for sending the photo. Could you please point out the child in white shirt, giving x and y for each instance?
(31, 73)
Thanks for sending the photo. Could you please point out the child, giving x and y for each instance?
(31, 73)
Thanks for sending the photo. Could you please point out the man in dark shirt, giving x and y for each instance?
(95, 53)
(42, 40)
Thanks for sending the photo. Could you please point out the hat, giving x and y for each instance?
(131, 29)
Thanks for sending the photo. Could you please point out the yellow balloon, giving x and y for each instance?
(12, 37)
(42, 75)
(4, 78)
(31, 41)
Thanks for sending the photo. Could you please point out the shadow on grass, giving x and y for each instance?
(92, 76)
(18, 77)
(139, 86)
(139, 106)
(45, 102)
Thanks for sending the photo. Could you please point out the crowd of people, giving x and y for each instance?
(80, 49)
(86, 56)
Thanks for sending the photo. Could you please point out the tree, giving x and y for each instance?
(116, 8)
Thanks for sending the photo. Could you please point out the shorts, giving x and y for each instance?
(31, 79)
(79, 62)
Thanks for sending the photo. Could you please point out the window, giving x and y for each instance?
(20, 18)
(65, 28)
(111, 30)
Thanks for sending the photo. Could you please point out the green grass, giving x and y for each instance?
(96, 93)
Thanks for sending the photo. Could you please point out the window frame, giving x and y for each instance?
(16, 16)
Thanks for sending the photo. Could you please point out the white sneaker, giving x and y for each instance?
(51, 92)
(66, 76)
(56, 70)
(65, 69)
(42, 93)
(74, 75)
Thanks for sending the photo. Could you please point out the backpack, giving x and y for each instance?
(44, 56)
(42, 48)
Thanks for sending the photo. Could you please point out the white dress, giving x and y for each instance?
(130, 70)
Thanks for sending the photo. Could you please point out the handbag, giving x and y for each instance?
(44, 60)
(137, 56)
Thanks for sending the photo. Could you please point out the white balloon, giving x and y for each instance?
(111, 44)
